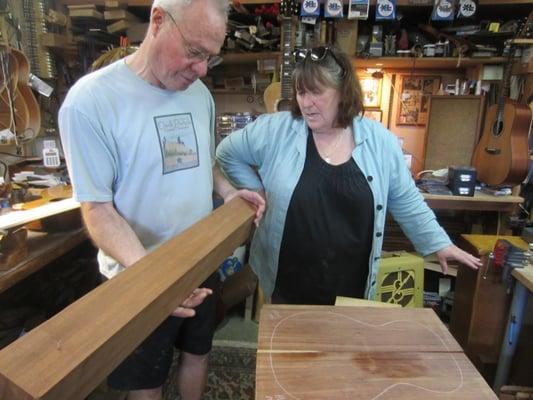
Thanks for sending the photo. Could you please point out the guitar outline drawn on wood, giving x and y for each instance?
(277, 96)
(396, 365)
(392, 325)
(502, 154)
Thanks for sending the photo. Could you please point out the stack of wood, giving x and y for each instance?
(516, 393)
(84, 11)
(117, 18)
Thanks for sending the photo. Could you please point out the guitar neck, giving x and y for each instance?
(504, 91)
(286, 64)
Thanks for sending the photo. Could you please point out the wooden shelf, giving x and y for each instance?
(379, 62)
(43, 248)
(249, 92)
(478, 202)
(424, 62)
(247, 58)
(411, 3)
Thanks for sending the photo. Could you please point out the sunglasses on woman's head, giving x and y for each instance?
(316, 54)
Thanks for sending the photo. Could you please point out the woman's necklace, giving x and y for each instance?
(333, 148)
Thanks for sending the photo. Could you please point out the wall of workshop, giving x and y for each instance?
(414, 137)
(237, 102)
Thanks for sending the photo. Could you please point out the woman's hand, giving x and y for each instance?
(252, 197)
(197, 297)
(453, 252)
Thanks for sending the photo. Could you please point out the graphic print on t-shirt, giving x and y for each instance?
(178, 142)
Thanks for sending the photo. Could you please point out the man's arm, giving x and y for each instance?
(111, 233)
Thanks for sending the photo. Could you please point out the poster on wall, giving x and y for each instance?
(414, 99)
(371, 88)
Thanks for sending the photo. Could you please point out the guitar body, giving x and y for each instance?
(34, 112)
(273, 99)
(502, 155)
(14, 113)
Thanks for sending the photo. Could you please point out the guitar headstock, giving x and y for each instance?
(525, 30)
(288, 8)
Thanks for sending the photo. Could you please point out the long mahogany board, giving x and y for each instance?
(70, 354)
(364, 353)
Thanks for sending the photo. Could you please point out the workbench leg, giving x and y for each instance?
(514, 324)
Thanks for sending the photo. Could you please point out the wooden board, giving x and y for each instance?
(70, 354)
(452, 132)
(328, 352)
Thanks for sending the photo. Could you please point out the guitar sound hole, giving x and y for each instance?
(497, 128)
(284, 105)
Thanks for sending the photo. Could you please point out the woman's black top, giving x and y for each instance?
(327, 237)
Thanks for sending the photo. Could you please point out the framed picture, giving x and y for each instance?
(373, 114)
(414, 99)
(371, 88)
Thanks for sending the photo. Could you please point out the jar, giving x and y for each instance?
(429, 50)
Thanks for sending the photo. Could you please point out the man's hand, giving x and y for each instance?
(195, 299)
(252, 197)
(453, 252)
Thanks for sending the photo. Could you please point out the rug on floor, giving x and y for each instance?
(231, 375)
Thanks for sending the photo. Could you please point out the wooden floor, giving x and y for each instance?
(328, 352)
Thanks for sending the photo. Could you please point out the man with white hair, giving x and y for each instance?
(139, 144)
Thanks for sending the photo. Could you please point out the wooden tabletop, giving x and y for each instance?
(331, 352)
(524, 276)
(480, 201)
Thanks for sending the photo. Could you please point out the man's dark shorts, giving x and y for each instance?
(148, 366)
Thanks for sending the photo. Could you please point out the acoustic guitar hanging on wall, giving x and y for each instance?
(19, 109)
(277, 95)
(502, 154)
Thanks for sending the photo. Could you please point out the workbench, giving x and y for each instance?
(43, 247)
(522, 288)
(365, 353)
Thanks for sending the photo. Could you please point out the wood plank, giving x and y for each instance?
(119, 14)
(70, 354)
(334, 353)
(43, 248)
